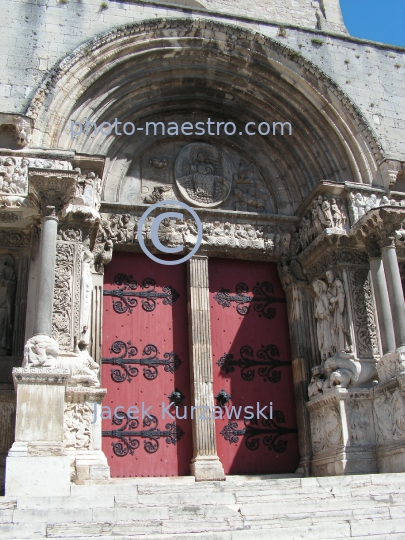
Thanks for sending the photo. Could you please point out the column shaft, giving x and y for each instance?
(46, 276)
(205, 464)
(383, 305)
(394, 286)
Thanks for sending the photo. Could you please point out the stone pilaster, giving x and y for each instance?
(303, 350)
(205, 464)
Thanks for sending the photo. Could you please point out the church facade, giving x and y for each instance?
(264, 148)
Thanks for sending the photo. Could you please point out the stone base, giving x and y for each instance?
(29, 476)
(205, 468)
(88, 465)
(343, 432)
(353, 461)
(391, 458)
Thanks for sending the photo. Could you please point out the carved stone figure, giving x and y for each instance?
(322, 316)
(86, 287)
(203, 174)
(126, 229)
(41, 351)
(337, 307)
(323, 214)
(7, 294)
(157, 194)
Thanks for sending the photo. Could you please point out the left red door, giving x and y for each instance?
(145, 360)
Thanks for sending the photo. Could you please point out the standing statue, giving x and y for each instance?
(86, 288)
(337, 307)
(7, 292)
(323, 318)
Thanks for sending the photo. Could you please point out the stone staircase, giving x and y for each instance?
(241, 508)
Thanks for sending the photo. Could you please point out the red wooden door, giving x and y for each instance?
(145, 359)
(252, 364)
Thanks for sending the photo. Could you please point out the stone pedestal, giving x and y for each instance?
(205, 464)
(36, 463)
(389, 413)
(343, 432)
(82, 434)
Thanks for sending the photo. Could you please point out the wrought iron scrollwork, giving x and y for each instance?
(129, 435)
(265, 362)
(126, 363)
(262, 299)
(270, 430)
(126, 297)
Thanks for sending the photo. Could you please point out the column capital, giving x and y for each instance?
(51, 188)
(377, 229)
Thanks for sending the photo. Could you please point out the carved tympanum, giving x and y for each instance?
(203, 175)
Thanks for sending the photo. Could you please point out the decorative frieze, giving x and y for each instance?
(364, 313)
(63, 296)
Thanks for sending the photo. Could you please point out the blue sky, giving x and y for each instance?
(378, 20)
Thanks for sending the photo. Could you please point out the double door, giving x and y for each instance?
(145, 367)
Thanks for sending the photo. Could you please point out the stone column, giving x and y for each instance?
(373, 246)
(46, 272)
(205, 464)
(383, 305)
(394, 285)
(37, 463)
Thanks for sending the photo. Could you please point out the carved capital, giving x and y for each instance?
(51, 188)
(378, 228)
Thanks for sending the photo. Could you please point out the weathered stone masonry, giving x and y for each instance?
(326, 203)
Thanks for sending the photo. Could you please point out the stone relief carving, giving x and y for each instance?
(70, 233)
(249, 191)
(8, 217)
(86, 288)
(22, 131)
(389, 409)
(365, 320)
(62, 304)
(360, 422)
(326, 429)
(331, 315)
(269, 238)
(335, 257)
(14, 175)
(88, 190)
(7, 295)
(326, 213)
(203, 175)
(361, 203)
(77, 420)
(157, 195)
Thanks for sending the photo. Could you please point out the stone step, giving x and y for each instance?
(295, 508)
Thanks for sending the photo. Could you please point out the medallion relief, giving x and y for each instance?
(203, 175)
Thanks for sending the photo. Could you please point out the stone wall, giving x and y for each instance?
(37, 34)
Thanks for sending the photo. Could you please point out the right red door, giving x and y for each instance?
(257, 433)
